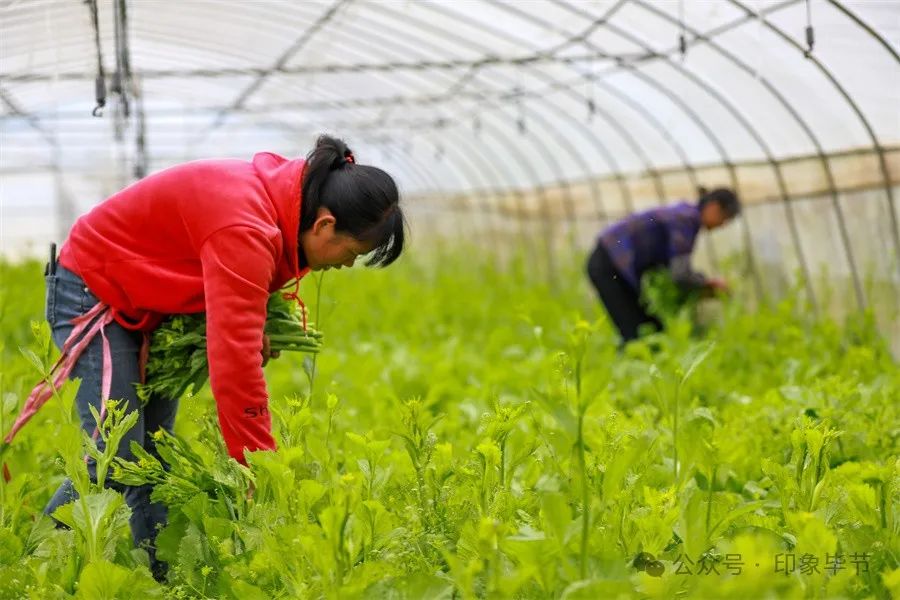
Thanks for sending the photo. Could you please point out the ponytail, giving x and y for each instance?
(363, 199)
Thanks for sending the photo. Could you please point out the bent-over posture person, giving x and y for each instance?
(213, 236)
(659, 237)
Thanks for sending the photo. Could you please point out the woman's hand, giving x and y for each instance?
(718, 287)
(267, 351)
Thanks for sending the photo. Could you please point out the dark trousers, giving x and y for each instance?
(67, 298)
(621, 300)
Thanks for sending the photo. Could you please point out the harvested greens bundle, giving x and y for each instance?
(178, 360)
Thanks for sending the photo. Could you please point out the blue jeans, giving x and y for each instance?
(67, 298)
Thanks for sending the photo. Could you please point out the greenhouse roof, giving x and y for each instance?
(539, 92)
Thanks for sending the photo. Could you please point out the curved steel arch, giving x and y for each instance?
(649, 166)
(472, 167)
(692, 115)
(753, 133)
(748, 246)
(878, 148)
(468, 174)
(592, 139)
(413, 163)
(890, 198)
(384, 40)
(577, 157)
(887, 46)
(424, 176)
(206, 46)
(550, 161)
(489, 165)
(775, 164)
(435, 99)
(537, 185)
(871, 31)
(494, 167)
(524, 160)
(842, 226)
(548, 157)
(460, 174)
(744, 122)
(595, 191)
(490, 157)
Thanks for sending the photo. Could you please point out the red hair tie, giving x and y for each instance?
(349, 158)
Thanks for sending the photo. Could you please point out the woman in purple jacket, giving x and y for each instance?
(660, 237)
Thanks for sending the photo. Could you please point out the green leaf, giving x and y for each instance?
(35, 360)
(695, 358)
(556, 515)
(103, 580)
(10, 547)
(411, 587)
(738, 512)
(702, 413)
(592, 589)
(241, 590)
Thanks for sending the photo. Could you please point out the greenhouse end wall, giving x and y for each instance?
(836, 244)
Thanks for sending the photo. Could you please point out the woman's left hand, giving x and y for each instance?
(267, 351)
(718, 287)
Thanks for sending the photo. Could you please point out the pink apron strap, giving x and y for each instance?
(86, 327)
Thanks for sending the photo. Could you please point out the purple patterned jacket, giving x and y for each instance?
(659, 237)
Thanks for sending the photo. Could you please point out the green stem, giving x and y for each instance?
(312, 373)
(675, 435)
(709, 499)
(622, 541)
(503, 462)
(297, 339)
(342, 558)
(585, 495)
(276, 324)
(89, 531)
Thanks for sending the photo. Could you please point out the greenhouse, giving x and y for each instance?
(623, 322)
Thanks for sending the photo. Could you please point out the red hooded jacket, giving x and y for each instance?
(212, 235)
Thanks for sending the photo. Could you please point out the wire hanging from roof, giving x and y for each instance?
(520, 119)
(682, 38)
(141, 159)
(121, 78)
(589, 92)
(810, 34)
(100, 80)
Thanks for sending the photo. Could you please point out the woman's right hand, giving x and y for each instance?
(718, 287)
(267, 351)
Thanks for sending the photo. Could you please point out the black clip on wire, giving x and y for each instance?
(810, 35)
(100, 94)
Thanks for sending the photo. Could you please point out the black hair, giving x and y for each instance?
(363, 199)
(724, 197)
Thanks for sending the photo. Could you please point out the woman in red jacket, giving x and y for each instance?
(213, 236)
